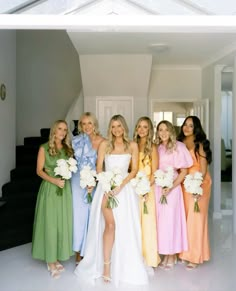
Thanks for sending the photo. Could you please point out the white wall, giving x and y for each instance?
(175, 83)
(116, 75)
(48, 79)
(8, 106)
(208, 92)
(226, 118)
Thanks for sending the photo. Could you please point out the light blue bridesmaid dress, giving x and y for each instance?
(85, 155)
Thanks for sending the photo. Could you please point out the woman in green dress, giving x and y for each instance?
(52, 233)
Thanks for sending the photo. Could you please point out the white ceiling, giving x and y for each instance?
(193, 49)
(146, 23)
(157, 7)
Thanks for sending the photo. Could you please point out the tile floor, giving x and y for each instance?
(19, 272)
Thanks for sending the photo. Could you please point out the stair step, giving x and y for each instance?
(17, 204)
(23, 198)
(21, 172)
(26, 155)
(13, 237)
(13, 216)
(26, 160)
(19, 186)
(26, 150)
(34, 141)
(44, 132)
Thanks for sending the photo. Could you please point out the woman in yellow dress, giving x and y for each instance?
(148, 162)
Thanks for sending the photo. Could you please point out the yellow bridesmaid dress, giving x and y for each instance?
(148, 221)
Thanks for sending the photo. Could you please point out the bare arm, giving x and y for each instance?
(179, 179)
(203, 161)
(101, 156)
(154, 163)
(41, 172)
(134, 163)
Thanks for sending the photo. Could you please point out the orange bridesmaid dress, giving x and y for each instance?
(197, 222)
(148, 221)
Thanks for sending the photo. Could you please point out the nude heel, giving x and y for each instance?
(106, 278)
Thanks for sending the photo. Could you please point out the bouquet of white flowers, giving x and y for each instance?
(192, 184)
(141, 184)
(64, 169)
(87, 179)
(110, 180)
(164, 179)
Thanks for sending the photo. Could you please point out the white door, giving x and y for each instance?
(201, 110)
(106, 107)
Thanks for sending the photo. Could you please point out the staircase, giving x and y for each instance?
(17, 203)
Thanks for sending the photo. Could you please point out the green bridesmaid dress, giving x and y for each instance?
(52, 231)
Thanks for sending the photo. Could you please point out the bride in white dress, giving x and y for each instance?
(113, 249)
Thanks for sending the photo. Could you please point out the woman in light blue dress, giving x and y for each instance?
(85, 147)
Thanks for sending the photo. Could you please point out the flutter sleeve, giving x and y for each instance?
(83, 151)
(182, 157)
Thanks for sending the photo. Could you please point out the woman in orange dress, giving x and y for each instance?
(195, 139)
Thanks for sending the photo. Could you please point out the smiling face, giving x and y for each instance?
(188, 127)
(117, 129)
(87, 125)
(164, 133)
(143, 129)
(60, 131)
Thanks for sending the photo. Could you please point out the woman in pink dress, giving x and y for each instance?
(197, 143)
(171, 221)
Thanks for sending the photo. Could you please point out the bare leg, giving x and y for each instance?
(172, 259)
(78, 258)
(164, 262)
(108, 238)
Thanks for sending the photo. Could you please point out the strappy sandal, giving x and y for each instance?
(59, 267)
(54, 273)
(163, 263)
(191, 266)
(106, 279)
(170, 266)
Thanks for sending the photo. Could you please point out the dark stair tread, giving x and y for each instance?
(15, 237)
(19, 196)
(24, 149)
(18, 186)
(23, 172)
(34, 141)
(44, 132)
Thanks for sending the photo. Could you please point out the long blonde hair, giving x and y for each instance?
(53, 151)
(93, 119)
(110, 136)
(149, 140)
(171, 144)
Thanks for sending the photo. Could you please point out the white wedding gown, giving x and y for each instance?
(126, 261)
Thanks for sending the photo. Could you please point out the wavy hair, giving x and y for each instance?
(93, 119)
(149, 139)
(110, 136)
(171, 144)
(199, 137)
(53, 151)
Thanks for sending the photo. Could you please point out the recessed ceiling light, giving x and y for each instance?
(158, 47)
